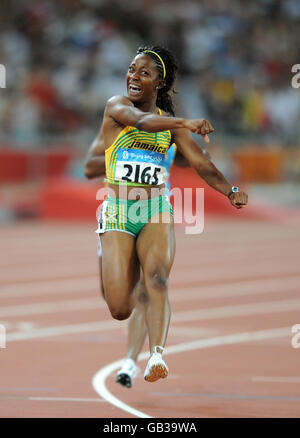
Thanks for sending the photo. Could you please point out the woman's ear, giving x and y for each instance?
(161, 84)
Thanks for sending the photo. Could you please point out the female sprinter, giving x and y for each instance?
(137, 327)
(135, 134)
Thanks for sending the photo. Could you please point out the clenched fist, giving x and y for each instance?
(239, 199)
(199, 126)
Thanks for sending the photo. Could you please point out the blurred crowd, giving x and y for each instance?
(65, 58)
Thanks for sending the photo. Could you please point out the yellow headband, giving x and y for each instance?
(162, 62)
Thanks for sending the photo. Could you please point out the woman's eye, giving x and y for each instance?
(145, 72)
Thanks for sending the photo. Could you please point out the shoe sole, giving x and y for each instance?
(156, 372)
(124, 380)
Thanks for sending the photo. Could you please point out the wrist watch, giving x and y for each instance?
(234, 189)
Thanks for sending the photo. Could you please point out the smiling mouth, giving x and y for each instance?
(134, 89)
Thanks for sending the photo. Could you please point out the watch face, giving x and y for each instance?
(235, 189)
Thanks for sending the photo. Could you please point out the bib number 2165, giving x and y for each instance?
(139, 173)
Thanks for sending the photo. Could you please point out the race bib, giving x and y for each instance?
(142, 167)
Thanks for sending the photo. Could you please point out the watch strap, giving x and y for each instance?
(234, 189)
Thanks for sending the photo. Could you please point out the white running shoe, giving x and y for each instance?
(127, 373)
(156, 368)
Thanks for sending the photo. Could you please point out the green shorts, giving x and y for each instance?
(130, 216)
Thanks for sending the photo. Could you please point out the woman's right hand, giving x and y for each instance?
(199, 126)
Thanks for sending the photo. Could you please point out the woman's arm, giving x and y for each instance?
(205, 168)
(95, 160)
(180, 160)
(122, 111)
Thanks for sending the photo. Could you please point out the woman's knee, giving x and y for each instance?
(120, 313)
(142, 296)
(120, 305)
(157, 279)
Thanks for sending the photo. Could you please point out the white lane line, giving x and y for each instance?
(67, 399)
(100, 387)
(60, 286)
(204, 273)
(54, 399)
(255, 260)
(52, 307)
(192, 331)
(91, 283)
(19, 326)
(281, 379)
(239, 288)
(205, 314)
(26, 326)
(99, 379)
(226, 273)
(46, 332)
(197, 293)
(260, 308)
(23, 274)
(207, 272)
(213, 253)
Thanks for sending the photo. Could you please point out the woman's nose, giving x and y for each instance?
(134, 75)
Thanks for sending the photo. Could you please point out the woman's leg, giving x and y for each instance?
(137, 328)
(100, 267)
(156, 250)
(120, 272)
(137, 331)
(100, 276)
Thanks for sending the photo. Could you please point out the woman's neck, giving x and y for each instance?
(147, 107)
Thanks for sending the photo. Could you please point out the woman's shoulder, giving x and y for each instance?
(118, 99)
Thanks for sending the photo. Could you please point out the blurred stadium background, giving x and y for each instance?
(65, 58)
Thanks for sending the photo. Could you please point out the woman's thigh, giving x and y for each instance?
(120, 271)
(156, 249)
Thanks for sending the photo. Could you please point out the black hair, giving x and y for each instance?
(164, 100)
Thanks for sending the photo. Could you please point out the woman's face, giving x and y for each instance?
(142, 78)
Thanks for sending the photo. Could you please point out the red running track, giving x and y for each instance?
(234, 292)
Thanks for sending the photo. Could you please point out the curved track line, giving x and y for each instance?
(100, 387)
(100, 377)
